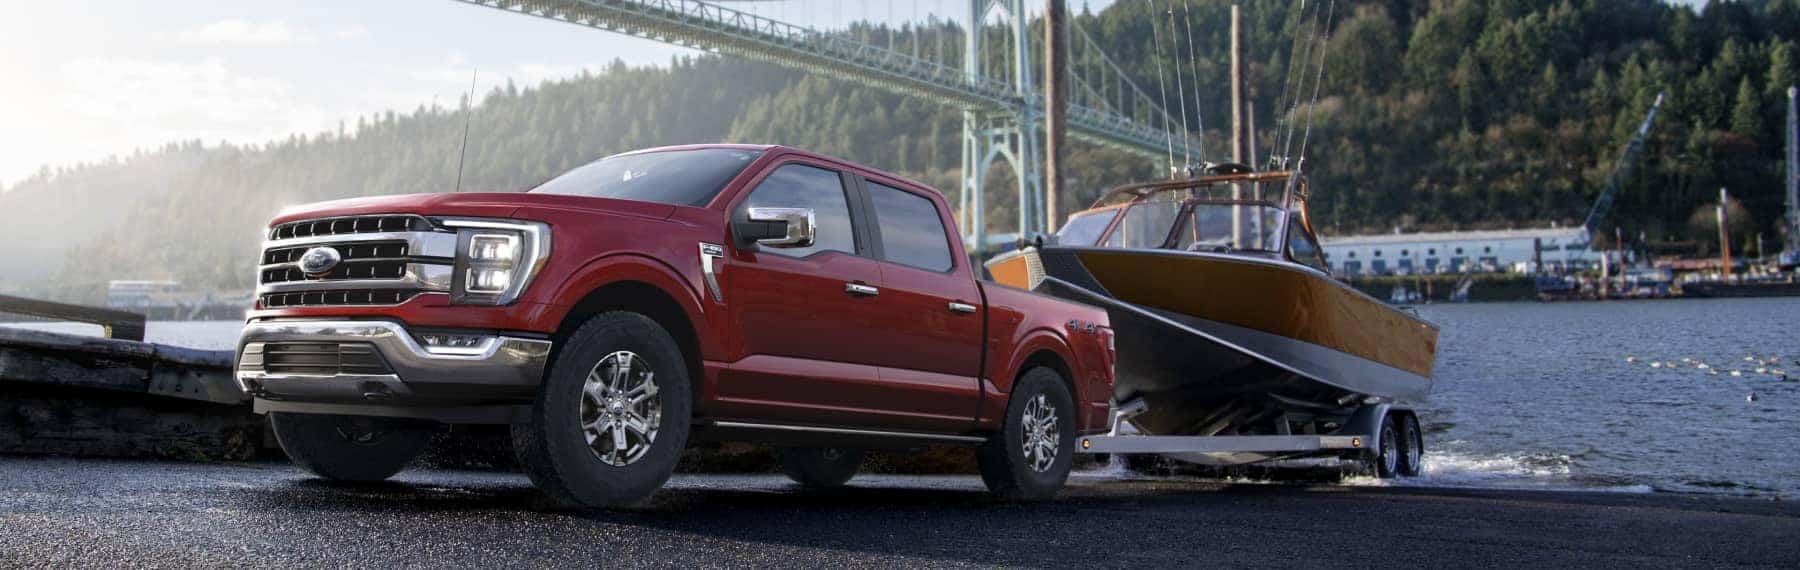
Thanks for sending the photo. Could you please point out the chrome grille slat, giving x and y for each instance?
(418, 244)
(419, 277)
(351, 251)
(346, 298)
(388, 223)
(365, 269)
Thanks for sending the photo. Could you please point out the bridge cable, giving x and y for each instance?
(1312, 107)
(1194, 64)
(1162, 88)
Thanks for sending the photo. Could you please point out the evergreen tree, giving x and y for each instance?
(1746, 114)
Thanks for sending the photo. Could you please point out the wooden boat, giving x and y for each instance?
(1227, 321)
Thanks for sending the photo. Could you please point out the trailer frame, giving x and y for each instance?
(1361, 432)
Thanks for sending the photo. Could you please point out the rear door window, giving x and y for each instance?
(912, 233)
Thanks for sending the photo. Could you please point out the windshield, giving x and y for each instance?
(678, 177)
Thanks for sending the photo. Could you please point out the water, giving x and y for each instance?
(1531, 394)
(1541, 396)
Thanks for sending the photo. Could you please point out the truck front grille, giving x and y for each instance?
(314, 358)
(384, 260)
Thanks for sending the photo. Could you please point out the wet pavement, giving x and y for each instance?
(83, 512)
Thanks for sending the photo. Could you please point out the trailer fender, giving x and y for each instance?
(1366, 422)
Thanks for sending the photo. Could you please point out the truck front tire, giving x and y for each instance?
(1031, 456)
(612, 416)
(350, 448)
(819, 467)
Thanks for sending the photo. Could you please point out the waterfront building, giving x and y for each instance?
(1486, 251)
(142, 295)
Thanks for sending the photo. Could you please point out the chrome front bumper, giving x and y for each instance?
(499, 365)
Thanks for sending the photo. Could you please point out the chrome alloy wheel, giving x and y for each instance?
(1041, 437)
(620, 412)
(1415, 445)
(1390, 456)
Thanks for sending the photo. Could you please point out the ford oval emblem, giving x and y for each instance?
(319, 260)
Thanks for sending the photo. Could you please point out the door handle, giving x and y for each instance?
(959, 307)
(861, 290)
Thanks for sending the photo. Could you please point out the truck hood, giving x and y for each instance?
(473, 204)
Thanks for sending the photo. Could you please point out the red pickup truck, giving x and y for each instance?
(616, 312)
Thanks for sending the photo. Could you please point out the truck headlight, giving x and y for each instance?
(496, 259)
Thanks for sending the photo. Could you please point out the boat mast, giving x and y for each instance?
(1237, 123)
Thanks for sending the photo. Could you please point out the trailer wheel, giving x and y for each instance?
(1412, 446)
(819, 467)
(612, 416)
(1383, 460)
(350, 448)
(1031, 456)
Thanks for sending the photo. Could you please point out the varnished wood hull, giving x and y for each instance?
(1215, 341)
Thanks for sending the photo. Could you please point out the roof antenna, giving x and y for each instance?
(468, 108)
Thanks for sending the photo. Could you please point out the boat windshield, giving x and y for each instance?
(1087, 227)
(1191, 225)
(1208, 226)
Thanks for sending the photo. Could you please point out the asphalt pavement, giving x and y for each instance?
(85, 512)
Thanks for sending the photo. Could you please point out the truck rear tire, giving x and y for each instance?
(1412, 446)
(1031, 456)
(350, 448)
(612, 416)
(819, 467)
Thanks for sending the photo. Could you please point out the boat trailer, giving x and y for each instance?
(1362, 434)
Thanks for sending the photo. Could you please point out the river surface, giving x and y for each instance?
(1532, 395)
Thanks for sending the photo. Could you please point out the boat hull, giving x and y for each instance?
(1214, 343)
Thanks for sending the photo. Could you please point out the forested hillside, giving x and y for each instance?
(1434, 114)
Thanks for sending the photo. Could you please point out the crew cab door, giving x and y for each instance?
(931, 307)
(801, 317)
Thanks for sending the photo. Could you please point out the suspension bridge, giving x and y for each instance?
(1003, 107)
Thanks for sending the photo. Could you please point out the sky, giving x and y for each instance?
(87, 79)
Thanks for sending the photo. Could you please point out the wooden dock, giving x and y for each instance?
(117, 396)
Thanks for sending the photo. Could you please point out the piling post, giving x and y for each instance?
(1056, 89)
(1724, 236)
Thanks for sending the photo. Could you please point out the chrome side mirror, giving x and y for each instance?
(779, 227)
